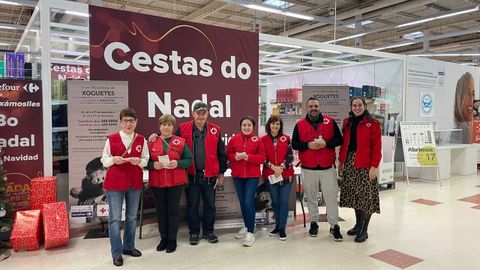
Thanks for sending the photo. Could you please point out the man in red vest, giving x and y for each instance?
(124, 156)
(315, 137)
(209, 164)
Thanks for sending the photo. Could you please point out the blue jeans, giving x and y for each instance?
(115, 200)
(280, 195)
(246, 190)
(199, 187)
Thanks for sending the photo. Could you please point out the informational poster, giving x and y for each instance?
(334, 99)
(68, 71)
(93, 114)
(419, 146)
(21, 137)
(170, 65)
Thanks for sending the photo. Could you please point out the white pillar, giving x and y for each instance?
(46, 86)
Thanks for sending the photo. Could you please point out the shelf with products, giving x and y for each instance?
(381, 105)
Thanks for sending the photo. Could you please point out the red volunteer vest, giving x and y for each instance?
(211, 143)
(369, 143)
(167, 177)
(121, 177)
(324, 157)
(276, 154)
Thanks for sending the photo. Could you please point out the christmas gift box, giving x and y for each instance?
(42, 190)
(27, 230)
(55, 224)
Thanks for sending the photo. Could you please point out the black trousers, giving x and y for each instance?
(167, 204)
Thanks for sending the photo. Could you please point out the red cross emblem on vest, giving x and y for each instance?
(139, 148)
(254, 138)
(369, 124)
(326, 121)
(213, 130)
(283, 139)
(176, 141)
(103, 210)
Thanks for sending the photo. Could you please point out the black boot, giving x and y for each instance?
(363, 232)
(172, 243)
(358, 221)
(163, 242)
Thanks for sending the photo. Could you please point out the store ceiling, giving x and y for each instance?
(444, 30)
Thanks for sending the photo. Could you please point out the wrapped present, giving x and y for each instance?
(55, 224)
(43, 190)
(27, 230)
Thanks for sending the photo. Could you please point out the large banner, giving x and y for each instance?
(93, 111)
(334, 100)
(69, 71)
(443, 93)
(171, 64)
(21, 137)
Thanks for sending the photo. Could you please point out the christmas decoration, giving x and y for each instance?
(27, 230)
(5, 220)
(55, 224)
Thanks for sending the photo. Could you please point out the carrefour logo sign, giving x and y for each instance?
(31, 87)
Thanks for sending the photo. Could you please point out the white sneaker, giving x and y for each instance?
(241, 234)
(249, 240)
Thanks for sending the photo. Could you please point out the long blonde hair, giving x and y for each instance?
(460, 94)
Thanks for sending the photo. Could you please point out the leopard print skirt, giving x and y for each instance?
(356, 189)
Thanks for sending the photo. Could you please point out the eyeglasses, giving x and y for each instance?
(129, 120)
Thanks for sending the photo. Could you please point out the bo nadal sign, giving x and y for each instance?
(170, 65)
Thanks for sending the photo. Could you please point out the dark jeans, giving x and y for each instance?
(280, 195)
(167, 204)
(246, 190)
(200, 187)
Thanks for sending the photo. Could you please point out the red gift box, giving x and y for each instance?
(27, 230)
(55, 224)
(43, 190)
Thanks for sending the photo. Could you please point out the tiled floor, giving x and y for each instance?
(396, 258)
(426, 202)
(471, 199)
(444, 236)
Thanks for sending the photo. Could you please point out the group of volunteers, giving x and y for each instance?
(193, 158)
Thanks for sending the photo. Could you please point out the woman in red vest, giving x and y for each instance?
(278, 172)
(124, 155)
(169, 160)
(360, 155)
(245, 152)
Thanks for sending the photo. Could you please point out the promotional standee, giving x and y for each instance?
(419, 146)
(334, 100)
(93, 108)
(21, 138)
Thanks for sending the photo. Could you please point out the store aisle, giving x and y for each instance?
(440, 230)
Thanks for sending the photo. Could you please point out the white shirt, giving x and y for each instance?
(107, 158)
